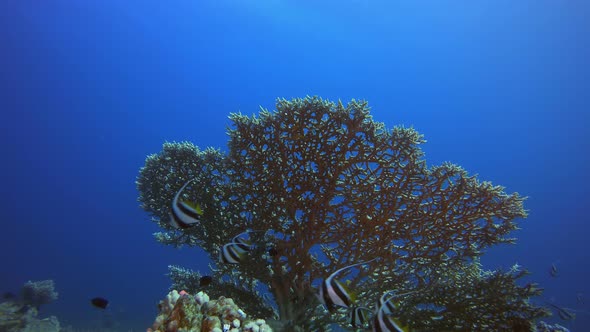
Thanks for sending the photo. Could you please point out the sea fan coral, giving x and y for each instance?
(324, 186)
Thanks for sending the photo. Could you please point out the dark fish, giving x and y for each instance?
(8, 296)
(99, 302)
(553, 271)
(272, 251)
(580, 298)
(205, 280)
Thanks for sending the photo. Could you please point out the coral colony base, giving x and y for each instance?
(183, 312)
(316, 210)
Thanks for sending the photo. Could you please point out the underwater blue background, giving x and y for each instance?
(89, 88)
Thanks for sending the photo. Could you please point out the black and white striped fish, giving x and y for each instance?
(388, 307)
(242, 242)
(234, 251)
(357, 316)
(385, 322)
(334, 293)
(184, 214)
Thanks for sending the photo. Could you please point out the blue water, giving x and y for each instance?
(89, 88)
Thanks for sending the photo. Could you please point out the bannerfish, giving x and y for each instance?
(241, 242)
(357, 316)
(332, 292)
(205, 280)
(384, 322)
(99, 302)
(384, 304)
(184, 214)
(388, 306)
(234, 251)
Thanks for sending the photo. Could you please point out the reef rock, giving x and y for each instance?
(15, 317)
(181, 311)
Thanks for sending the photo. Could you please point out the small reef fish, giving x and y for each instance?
(205, 280)
(234, 251)
(334, 293)
(384, 304)
(99, 302)
(563, 313)
(357, 316)
(272, 251)
(241, 242)
(553, 271)
(388, 306)
(384, 322)
(184, 214)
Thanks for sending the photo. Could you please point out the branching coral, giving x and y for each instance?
(37, 293)
(328, 186)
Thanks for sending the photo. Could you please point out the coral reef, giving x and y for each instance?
(321, 185)
(233, 287)
(185, 312)
(36, 293)
(21, 315)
